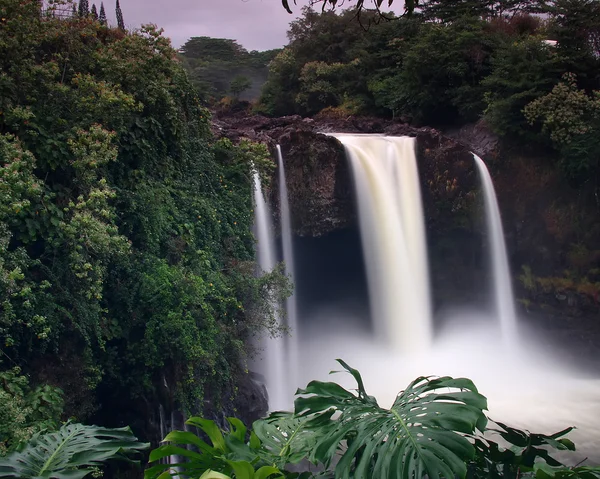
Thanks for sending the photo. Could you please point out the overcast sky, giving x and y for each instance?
(255, 24)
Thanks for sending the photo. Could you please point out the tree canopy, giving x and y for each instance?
(449, 63)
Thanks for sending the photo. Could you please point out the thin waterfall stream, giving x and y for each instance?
(504, 300)
(273, 366)
(288, 258)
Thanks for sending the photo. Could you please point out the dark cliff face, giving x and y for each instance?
(319, 177)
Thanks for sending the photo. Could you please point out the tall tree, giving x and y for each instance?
(94, 12)
(451, 10)
(120, 22)
(576, 26)
(84, 8)
(102, 15)
(74, 12)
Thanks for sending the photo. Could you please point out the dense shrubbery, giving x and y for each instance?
(126, 252)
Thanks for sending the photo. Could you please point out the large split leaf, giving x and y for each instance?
(423, 434)
(72, 452)
(285, 439)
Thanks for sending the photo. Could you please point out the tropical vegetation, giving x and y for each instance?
(127, 269)
(220, 67)
(436, 427)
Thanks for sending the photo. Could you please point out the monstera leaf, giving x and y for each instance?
(423, 434)
(72, 452)
(285, 438)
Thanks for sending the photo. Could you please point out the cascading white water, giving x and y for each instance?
(288, 258)
(393, 236)
(503, 294)
(273, 365)
(527, 386)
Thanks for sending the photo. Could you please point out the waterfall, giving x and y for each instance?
(503, 294)
(529, 386)
(273, 367)
(288, 258)
(393, 236)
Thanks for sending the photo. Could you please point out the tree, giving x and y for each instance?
(119, 13)
(94, 12)
(102, 15)
(84, 8)
(575, 24)
(451, 10)
(207, 48)
(74, 11)
(276, 97)
(239, 85)
(522, 71)
(440, 79)
(571, 118)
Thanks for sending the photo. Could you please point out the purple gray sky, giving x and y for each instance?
(255, 24)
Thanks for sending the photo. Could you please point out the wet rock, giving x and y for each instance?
(320, 179)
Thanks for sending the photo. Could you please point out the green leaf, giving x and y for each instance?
(185, 437)
(211, 430)
(214, 475)
(285, 437)
(266, 471)
(423, 434)
(238, 430)
(71, 452)
(242, 469)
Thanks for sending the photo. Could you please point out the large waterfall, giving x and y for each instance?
(393, 234)
(526, 385)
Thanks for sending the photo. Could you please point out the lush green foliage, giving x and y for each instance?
(218, 67)
(126, 252)
(449, 63)
(72, 452)
(434, 429)
(25, 410)
(572, 119)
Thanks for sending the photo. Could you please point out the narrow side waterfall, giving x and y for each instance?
(393, 236)
(288, 258)
(273, 367)
(503, 293)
